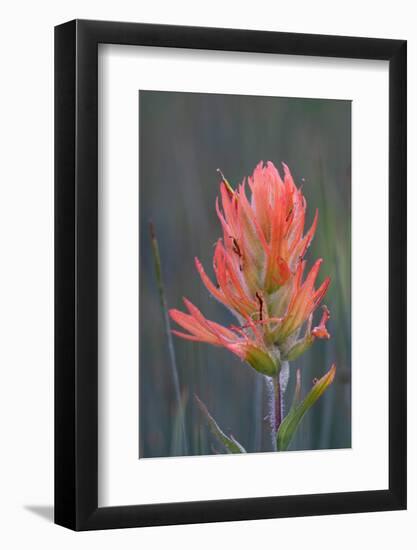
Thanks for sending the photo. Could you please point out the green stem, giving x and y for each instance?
(275, 415)
(279, 385)
(277, 403)
(171, 349)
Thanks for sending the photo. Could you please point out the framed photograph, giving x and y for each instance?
(230, 254)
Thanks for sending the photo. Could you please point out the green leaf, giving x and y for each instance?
(232, 446)
(177, 443)
(291, 422)
(168, 335)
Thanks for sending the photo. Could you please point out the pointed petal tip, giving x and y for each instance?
(186, 301)
(173, 312)
(287, 171)
(325, 285)
(198, 264)
(190, 306)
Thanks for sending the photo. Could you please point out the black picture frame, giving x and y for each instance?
(76, 272)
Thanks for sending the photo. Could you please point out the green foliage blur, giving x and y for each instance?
(184, 138)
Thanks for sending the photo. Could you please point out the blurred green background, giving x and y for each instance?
(184, 138)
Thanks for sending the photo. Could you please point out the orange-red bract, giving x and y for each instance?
(259, 268)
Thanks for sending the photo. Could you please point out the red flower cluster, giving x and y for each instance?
(259, 268)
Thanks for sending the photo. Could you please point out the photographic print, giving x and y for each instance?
(245, 274)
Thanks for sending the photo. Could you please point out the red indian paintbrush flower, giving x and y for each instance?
(259, 267)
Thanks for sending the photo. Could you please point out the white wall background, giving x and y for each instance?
(26, 272)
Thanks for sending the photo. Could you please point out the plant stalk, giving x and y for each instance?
(275, 414)
(278, 387)
(277, 404)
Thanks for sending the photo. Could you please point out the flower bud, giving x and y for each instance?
(261, 361)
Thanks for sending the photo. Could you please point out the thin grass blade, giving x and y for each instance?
(170, 343)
